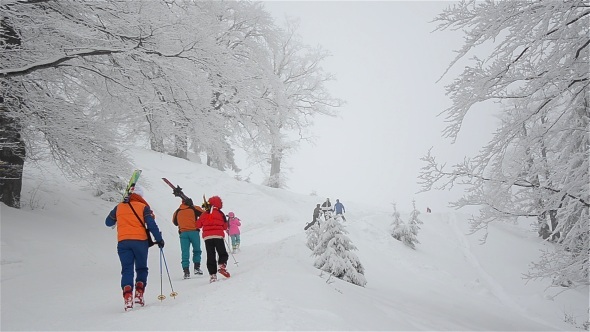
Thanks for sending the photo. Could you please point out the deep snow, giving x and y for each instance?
(60, 269)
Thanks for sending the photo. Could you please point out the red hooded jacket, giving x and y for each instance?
(213, 222)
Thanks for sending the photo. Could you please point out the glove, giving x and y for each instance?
(161, 244)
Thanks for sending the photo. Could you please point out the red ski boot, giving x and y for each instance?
(223, 271)
(139, 289)
(128, 297)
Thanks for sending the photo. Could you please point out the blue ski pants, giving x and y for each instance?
(133, 254)
(186, 240)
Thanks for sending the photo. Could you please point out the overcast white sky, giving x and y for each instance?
(386, 60)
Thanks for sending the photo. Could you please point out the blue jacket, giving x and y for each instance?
(339, 208)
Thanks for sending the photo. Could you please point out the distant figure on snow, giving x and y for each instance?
(326, 206)
(428, 210)
(234, 231)
(316, 214)
(339, 208)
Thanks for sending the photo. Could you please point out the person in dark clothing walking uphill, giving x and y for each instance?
(185, 217)
(131, 219)
(214, 224)
(327, 207)
(316, 214)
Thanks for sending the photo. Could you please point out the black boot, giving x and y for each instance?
(198, 269)
(187, 274)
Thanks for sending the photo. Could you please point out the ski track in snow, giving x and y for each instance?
(494, 287)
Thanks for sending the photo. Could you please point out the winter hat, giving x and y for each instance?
(215, 201)
(231, 214)
(138, 190)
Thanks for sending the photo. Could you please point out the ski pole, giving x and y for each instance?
(161, 297)
(232, 254)
(173, 294)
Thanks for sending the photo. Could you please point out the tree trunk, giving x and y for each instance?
(180, 143)
(12, 159)
(156, 140)
(275, 169)
(12, 147)
(552, 224)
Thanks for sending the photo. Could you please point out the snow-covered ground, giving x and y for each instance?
(60, 269)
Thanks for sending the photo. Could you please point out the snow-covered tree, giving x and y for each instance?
(85, 79)
(296, 94)
(536, 164)
(407, 233)
(397, 225)
(414, 221)
(334, 254)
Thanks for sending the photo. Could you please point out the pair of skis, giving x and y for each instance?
(176, 190)
(131, 185)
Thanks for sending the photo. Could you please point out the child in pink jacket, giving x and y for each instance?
(234, 231)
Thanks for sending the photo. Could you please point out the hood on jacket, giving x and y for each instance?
(231, 215)
(216, 202)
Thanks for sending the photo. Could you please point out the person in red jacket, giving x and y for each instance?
(214, 225)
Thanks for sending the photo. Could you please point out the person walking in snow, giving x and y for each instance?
(339, 208)
(326, 207)
(131, 218)
(214, 224)
(234, 231)
(185, 217)
(316, 214)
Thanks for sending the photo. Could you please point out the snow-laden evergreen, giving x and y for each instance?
(334, 254)
(407, 233)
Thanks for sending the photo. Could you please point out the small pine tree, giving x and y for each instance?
(408, 237)
(334, 255)
(406, 233)
(397, 224)
(415, 222)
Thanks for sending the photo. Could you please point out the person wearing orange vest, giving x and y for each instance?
(131, 219)
(185, 217)
(214, 225)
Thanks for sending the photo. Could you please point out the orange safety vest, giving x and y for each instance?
(128, 226)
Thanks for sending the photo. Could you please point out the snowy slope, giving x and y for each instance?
(60, 270)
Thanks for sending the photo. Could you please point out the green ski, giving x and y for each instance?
(131, 185)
